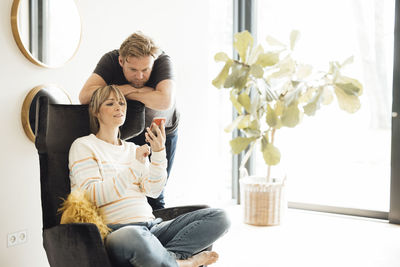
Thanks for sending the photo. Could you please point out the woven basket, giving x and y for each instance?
(264, 203)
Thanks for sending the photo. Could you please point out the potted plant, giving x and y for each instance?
(270, 89)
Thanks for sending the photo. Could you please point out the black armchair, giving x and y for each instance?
(57, 126)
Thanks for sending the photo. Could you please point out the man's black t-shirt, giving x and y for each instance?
(111, 71)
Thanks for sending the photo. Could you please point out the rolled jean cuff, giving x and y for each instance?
(181, 255)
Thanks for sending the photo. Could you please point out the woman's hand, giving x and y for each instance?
(157, 143)
(142, 153)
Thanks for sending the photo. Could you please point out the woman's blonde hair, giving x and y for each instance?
(138, 45)
(98, 98)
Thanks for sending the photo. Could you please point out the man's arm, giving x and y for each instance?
(95, 81)
(162, 98)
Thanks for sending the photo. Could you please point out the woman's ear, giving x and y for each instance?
(96, 115)
(93, 114)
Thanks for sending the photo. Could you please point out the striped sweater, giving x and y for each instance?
(114, 180)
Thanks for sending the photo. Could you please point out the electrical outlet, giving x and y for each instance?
(17, 238)
(12, 240)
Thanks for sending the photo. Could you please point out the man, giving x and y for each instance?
(143, 73)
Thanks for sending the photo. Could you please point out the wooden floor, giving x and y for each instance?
(309, 239)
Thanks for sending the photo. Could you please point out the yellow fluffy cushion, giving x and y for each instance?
(77, 208)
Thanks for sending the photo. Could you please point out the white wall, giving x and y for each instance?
(179, 26)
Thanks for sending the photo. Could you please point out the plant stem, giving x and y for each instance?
(247, 156)
(269, 166)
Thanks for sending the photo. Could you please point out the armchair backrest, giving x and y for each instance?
(57, 126)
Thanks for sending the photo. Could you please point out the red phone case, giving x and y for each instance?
(156, 120)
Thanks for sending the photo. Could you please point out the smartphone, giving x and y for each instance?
(157, 120)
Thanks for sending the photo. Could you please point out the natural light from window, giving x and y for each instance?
(335, 158)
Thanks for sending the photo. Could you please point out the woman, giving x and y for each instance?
(117, 177)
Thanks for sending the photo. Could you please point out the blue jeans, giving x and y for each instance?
(160, 244)
(170, 147)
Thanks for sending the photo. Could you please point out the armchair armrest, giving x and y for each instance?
(173, 212)
(77, 244)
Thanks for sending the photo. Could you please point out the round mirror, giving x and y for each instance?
(47, 32)
(28, 112)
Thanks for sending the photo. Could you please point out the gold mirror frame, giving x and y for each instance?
(20, 44)
(59, 97)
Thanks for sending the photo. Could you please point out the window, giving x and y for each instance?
(334, 158)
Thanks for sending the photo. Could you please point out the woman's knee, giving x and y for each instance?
(127, 240)
(135, 245)
(219, 218)
(223, 218)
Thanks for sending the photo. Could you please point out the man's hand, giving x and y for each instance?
(142, 153)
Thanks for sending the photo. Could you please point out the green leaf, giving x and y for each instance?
(243, 42)
(267, 59)
(347, 61)
(327, 96)
(349, 85)
(278, 124)
(294, 37)
(271, 154)
(255, 53)
(310, 108)
(295, 83)
(292, 95)
(307, 95)
(274, 42)
(314, 104)
(238, 77)
(219, 81)
(252, 133)
(272, 118)
(349, 103)
(244, 100)
(231, 79)
(221, 56)
(244, 122)
(242, 78)
(235, 103)
(279, 106)
(286, 68)
(253, 129)
(291, 115)
(334, 65)
(256, 71)
(303, 71)
(240, 143)
(349, 88)
(256, 103)
(234, 124)
(270, 93)
(254, 125)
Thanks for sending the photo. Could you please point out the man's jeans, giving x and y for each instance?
(170, 147)
(160, 244)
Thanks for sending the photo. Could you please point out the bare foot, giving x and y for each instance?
(203, 258)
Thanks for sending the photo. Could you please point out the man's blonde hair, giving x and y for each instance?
(98, 98)
(138, 45)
